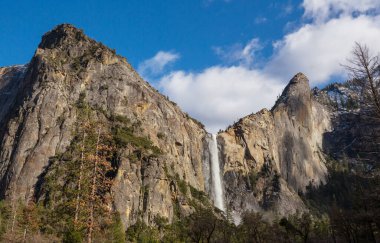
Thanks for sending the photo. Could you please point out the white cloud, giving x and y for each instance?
(238, 53)
(219, 95)
(156, 65)
(319, 49)
(322, 10)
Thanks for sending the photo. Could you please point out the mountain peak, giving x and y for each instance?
(297, 89)
(60, 34)
(299, 78)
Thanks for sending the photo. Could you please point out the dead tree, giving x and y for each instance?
(365, 70)
(93, 191)
(77, 203)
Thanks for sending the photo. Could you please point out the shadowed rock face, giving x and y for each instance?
(272, 155)
(38, 114)
(355, 137)
(10, 85)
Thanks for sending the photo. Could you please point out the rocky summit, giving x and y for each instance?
(39, 115)
(272, 155)
(84, 139)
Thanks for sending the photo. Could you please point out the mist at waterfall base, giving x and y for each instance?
(217, 185)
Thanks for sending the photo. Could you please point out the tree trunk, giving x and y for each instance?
(79, 181)
(93, 191)
(24, 237)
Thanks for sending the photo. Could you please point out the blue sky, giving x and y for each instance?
(218, 59)
(139, 29)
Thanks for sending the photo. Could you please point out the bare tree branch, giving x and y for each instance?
(364, 68)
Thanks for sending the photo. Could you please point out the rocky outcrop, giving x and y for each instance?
(270, 156)
(38, 114)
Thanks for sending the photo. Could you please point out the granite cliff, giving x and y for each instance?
(38, 115)
(270, 156)
(162, 163)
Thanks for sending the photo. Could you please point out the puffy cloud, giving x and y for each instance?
(156, 65)
(318, 50)
(217, 96)
(322, 10)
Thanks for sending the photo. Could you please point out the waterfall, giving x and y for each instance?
(217, 185)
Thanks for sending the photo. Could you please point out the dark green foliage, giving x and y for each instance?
(140, 232)
(202, 225)
(5, 214)
(59, 184)
(160, 221)
(81, 101)
(352, 201)
(254, 228)
(176, 209)
(116, 233)
(276, 183)
(81, 62)
(339, 189)
(72, 236)
(120, 119)
(298, 226)
(124, 134)
(351, 104)
(253, 176)
(199, 195)
(76, 64)
(182, 186)
(200, 124)
(60, 187)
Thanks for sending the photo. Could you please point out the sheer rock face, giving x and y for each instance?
(38, 113)
(272, 155)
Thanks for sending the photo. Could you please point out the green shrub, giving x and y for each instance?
(197, 194)
(124, 136)
(4, 217)
(72, 236)
(253, 176)
(140, 232)
(116, 231)
(182, 186)
(120, 119)
(81, 103)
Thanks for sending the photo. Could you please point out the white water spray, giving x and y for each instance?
(215, 170)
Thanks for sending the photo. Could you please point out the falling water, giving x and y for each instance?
(215, 171)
